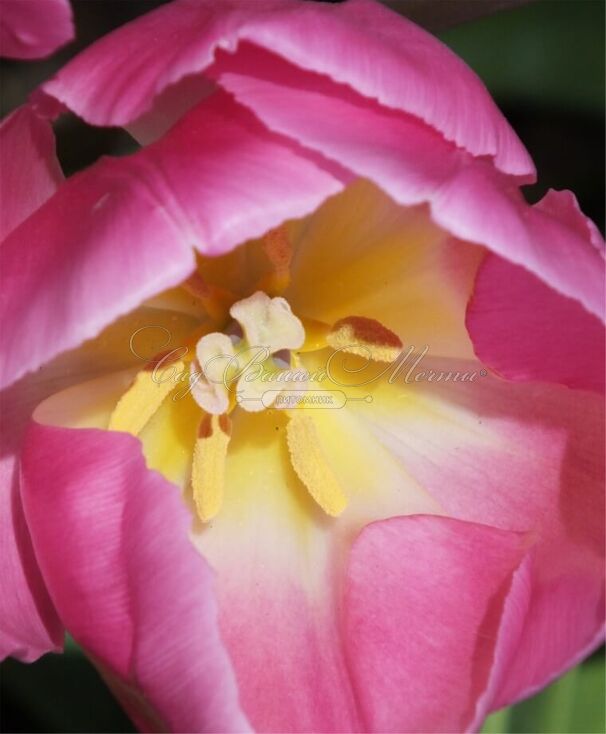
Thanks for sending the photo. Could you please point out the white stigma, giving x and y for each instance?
(269, 326)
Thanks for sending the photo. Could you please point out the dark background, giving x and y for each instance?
(544, 64)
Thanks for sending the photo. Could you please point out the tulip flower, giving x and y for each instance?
(32, 29)
(326, 207)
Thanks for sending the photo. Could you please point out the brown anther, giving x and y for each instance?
(278, 248)
(366, 338)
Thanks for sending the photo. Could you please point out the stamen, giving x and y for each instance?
(278, 248)
(208, 469)
(215, 301)
(366, 338)
(149, 389)
(310, 464)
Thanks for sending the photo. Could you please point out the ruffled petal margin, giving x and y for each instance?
(30, 172)
(359, 43)
(467, 196)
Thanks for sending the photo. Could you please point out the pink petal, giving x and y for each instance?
(526, 331)
(423, 605)
(31, 29)
(414, 164)
(125, 229)
(359, 43)
(29, 626)
(112, 539)
(30, 172)
(519, 668)
(285, 643)
(506, 642)
(563, 206)
(525, 457)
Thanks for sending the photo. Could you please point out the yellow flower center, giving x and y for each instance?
(250, 360)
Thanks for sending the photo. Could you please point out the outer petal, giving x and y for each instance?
(520, 626)
(563, 206)
(30, 171)
(29, 626)
(124, 230)
(518, 457)
(358, 43)
(507, 640)
(423, 604)
(31, 29)
(526, 331)
(414, 164)
(112, 539)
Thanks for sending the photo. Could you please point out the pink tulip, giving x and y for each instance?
(32, 29)
(428, 553)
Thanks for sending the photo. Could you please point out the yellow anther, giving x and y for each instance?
(310, 464)
(208, 469)
(366, 338)
(278, 248)
(150, 387)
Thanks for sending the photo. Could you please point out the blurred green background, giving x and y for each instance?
(544, 64)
